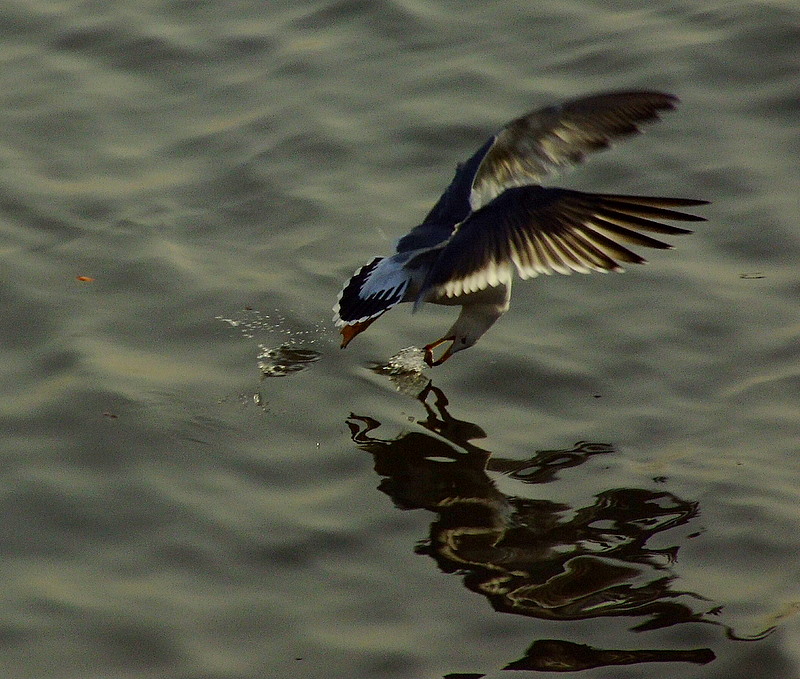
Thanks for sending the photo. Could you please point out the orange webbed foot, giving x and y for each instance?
(429, 359)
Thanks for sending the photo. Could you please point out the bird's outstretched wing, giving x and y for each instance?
(540, 230)
(548, 139)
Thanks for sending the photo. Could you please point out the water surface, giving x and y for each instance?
(199, 484)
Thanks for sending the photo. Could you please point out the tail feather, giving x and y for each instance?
(374, 289)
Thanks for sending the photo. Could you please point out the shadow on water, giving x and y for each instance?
(536, 557)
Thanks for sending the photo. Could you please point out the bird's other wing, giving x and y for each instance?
(455, 203)
(372, 290)
(539, 230)
(425, 236)
(532, 146)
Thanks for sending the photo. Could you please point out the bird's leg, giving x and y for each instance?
(430, 347)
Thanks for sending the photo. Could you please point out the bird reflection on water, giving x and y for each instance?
(536, 557)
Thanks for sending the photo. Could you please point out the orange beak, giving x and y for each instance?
(350, 331)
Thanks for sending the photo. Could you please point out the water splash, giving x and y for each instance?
(252, 322)
(292, 353)
(406, 371)
(285, 360)
(408, 360)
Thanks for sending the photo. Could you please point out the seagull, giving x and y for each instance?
(495, 218)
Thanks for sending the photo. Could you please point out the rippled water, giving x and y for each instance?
(199, 484)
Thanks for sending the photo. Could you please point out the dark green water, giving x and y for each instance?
(608, 483)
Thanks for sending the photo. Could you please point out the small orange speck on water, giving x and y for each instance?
(85, 279)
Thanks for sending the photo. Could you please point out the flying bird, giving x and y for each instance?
(496, 218)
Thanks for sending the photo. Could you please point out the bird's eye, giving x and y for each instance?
(463, 340)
